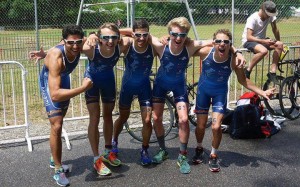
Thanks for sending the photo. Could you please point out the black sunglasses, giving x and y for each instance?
(107, 37)
(139, 35)
(73, 42)
(178, 34)
(217, 41)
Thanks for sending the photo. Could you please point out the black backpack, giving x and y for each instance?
(245, 122)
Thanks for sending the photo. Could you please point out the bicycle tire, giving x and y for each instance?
(192, 93)
(134, 124)
(273, 104)
(289, 98)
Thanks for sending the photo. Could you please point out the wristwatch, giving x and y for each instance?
(237, 51)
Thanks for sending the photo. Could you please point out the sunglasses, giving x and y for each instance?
(73, 42)
(178, 34)
(108, 37)
(139, 35)
(224, 41)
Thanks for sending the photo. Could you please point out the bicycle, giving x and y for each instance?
(289, 97)
(170, 117)
(273, 104)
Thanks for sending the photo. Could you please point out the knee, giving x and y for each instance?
(183, 120)
(264, 52)
(279, 45)
(156, 118)
(216, 127)
(56, 129)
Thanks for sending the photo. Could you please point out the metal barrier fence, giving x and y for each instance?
(14, 112)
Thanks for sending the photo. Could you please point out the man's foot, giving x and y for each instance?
(60, 178)
(247, 73)
(213, 163)
(198, 157)
(183, 164)
(101, 168)
(273, 77)
(145, 159)
(160, 156)
(115, 147)
(65, 167)
(111, 158)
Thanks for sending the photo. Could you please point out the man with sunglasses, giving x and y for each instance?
(254, 38)
(102, 59)
(174, 58)
(217, 65)
(54, 82)
(136, 83)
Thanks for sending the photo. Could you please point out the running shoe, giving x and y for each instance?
(101, 168)
(183, 164)
(60, 178)
(65, 167)
(115, 147)
(111, 158)
(273, 78)
(198, 158)
(160, 156)
(213, 163)
(145, 159)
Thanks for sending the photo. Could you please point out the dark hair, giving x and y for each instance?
(223, 31)
(140, 24)
(72, 30)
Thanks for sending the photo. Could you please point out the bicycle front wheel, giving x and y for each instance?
(134, 124)
(273, 104)
(289, 98)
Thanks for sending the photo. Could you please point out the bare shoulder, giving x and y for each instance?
(53, 58)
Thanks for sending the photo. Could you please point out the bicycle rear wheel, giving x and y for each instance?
(273, 104)
(289, 98)
(192, 93)
(134, 124)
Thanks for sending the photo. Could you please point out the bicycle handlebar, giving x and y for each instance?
(294, 61)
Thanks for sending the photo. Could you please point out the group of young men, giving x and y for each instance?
(103, 50)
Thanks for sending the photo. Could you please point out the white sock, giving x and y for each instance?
(213, 151)
(199, 145)
(96, 158)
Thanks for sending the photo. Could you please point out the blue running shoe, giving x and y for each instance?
(60, 178)
(145, 159)
(213, 163)
(160, 156)
(65, 167)
(183, 164)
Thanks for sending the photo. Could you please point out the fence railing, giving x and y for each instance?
(14, 114)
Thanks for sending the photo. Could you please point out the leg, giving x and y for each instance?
(118, 127)
(278, 47)
(107, 122)
(55, 140)
(199, 133)
(146, 133)
(93, 131)
(157, 115)
(259, 53)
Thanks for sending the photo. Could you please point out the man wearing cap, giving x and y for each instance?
(254, 38)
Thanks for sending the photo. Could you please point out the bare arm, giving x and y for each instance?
(126, 31)
(157, 45)
(247, 83)
(55, 65)
(275, 30)
(89, 45)
(251, 38)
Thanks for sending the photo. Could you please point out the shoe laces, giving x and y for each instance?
(112, 156)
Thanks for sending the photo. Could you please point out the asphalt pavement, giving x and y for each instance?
(257, 162)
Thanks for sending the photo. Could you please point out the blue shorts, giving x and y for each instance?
(106, 87)
(54, 108)
(129, 91)
(160, 90)
(207, 96)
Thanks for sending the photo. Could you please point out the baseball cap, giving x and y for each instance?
(270, 8)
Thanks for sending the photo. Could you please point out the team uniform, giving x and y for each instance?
(213, 85)
(135, 80)
(57, 108)
(100, 71)
(171, 76)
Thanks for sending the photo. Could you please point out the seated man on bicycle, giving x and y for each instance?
(254, 38)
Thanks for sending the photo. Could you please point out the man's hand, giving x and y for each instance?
(269, 41)
(37, 55)
(164, 40)
(87, 83)
(240, 60)
(92, 40)
(268, 93)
